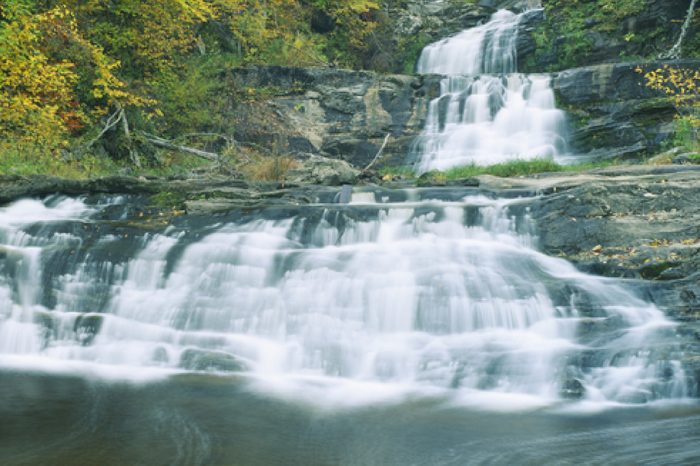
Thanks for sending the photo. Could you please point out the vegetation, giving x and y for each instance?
(682, 87)
(506, 169)
(91, 87)
(576, 29)
(85, 85)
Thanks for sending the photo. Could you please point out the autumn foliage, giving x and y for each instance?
(682, 86)
(65, 65)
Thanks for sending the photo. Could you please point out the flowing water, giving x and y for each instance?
(487, 113)
(404, 327)
(429, 303)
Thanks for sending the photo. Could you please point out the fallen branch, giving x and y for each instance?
(112, 121)
(379, 154)
(165, 144)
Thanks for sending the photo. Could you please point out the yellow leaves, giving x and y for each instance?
(39, 84)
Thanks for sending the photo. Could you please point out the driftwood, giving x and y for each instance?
(379, 154)
(166, 144)
(119, 116)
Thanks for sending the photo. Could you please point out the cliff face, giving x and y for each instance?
(594, 49)
(351, 115)
(574, 34)
(563, 35)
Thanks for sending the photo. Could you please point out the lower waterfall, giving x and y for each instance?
(439, 293)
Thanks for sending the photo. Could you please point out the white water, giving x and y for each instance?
(486, 112)
(427, 297)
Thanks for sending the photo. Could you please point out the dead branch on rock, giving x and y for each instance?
(166, 144)
(379, 154)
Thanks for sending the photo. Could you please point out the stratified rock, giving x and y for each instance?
(341, 114)
(350, 115)
(612, 113)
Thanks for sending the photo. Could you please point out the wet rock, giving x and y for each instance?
(160, 355)
(16, 187)
(572, 389)
(86, 328)
(48, 326)
(439, 179)
(202, 360)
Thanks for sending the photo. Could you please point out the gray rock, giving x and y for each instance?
(686, 158)
(323, 171)
(612, 113)
(202, 360)
(338, 113)
(348, 114)
(86, 328)
(572, 389)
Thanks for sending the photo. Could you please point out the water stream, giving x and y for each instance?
(397, 292)
(487, 113)
(427, 314)
(408, 326)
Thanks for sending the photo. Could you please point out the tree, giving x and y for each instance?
(682, 86)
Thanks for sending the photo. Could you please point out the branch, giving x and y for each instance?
(381, 150)
(111, 123)
(164, 143)
(133, 155)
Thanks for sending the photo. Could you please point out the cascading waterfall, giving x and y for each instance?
(398, 291)
(486, 112)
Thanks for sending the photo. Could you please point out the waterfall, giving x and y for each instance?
(411, 291)
(486, 112)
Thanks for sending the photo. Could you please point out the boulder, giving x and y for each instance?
(86, 328)
(203, 360)
(325, 171)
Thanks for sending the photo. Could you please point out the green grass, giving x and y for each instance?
(505, 170)
(25, 162)
(32, 162)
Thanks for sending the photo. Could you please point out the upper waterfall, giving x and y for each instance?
(490, 49)
(486, 113)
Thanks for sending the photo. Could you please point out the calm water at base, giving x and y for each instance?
(201, 419)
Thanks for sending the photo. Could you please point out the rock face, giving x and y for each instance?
(336, 113)
(611, 112)
(350, 115)
(573, 34)
(323, 171)
(638, 223)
